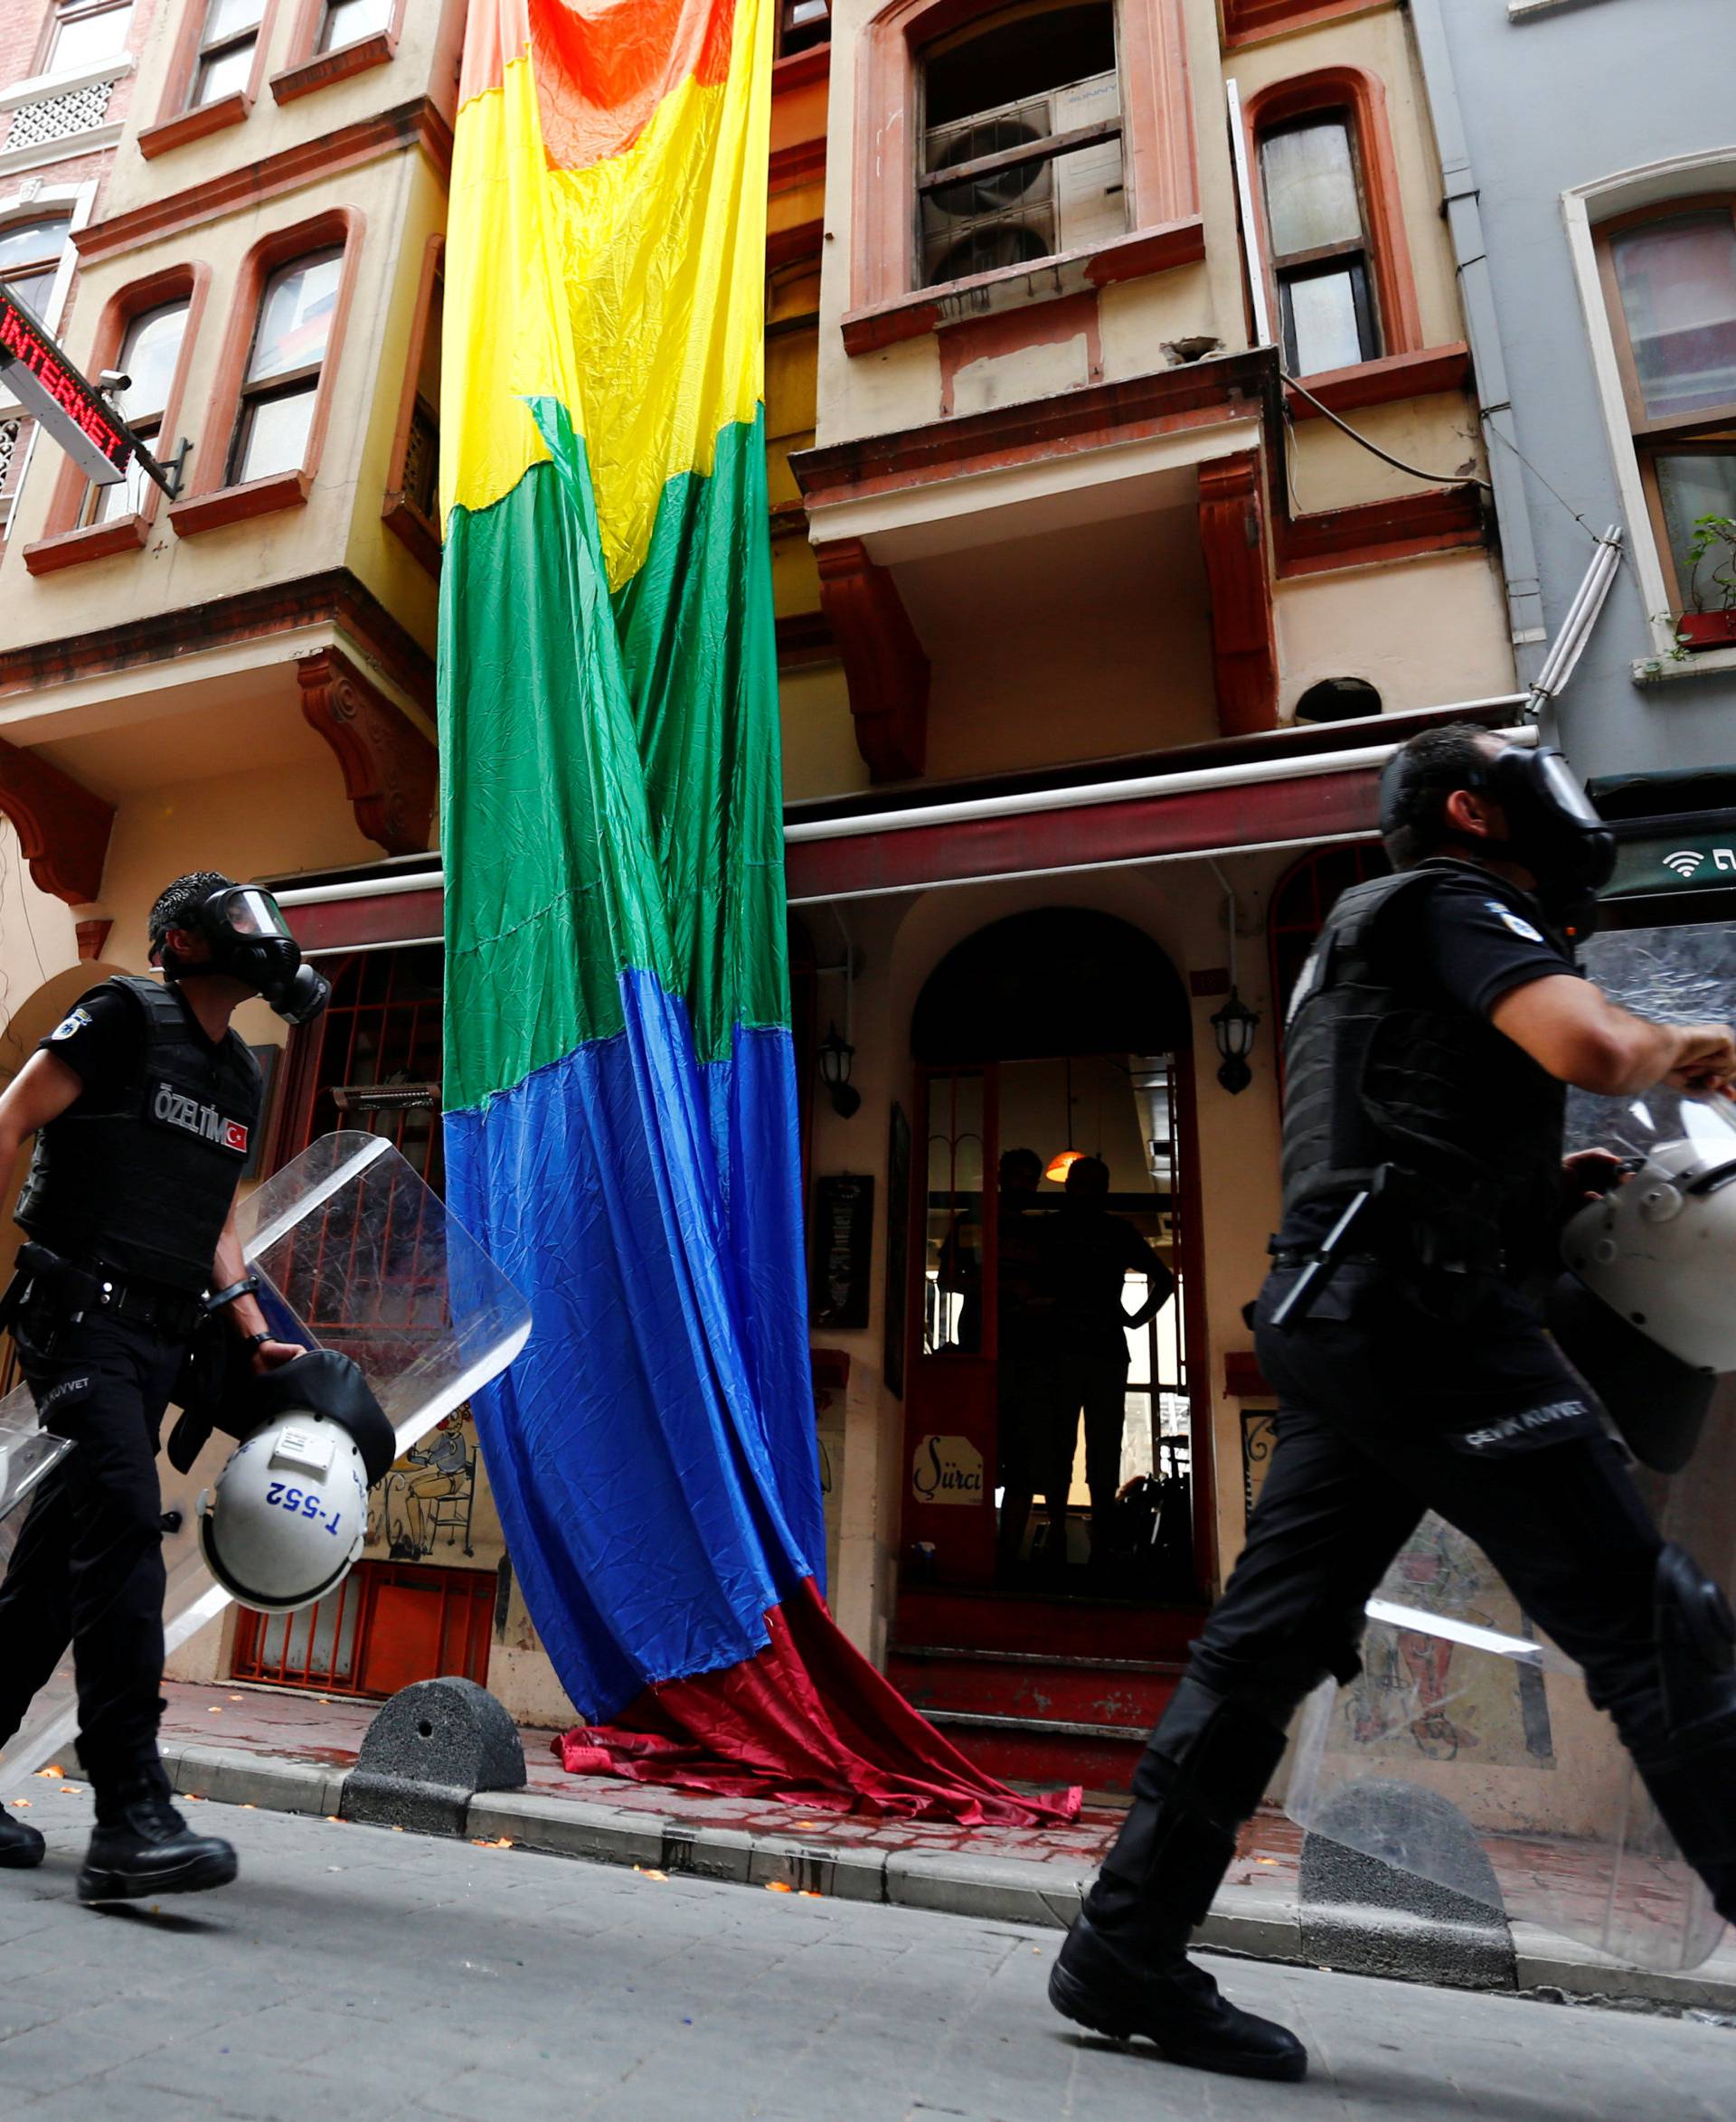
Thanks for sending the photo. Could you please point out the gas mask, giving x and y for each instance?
(1552, 831)
(250, 942)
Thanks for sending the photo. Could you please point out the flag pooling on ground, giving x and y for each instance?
(619, 1083)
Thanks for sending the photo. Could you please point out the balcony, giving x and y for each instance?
(53, 116)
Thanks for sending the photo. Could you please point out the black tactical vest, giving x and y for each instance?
(145, 1187)
(1384, 1069)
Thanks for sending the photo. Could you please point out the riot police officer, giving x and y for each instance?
(143, 1103)
(1429, 1042)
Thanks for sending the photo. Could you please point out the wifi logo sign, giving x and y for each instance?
(1685, 861)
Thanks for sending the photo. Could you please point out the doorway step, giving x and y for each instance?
(1039, 1690)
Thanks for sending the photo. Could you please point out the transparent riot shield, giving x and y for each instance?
(356, 1253)
(1466, 1752)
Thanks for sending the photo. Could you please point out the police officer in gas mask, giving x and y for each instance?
(1429, 1042)
(144, 1104)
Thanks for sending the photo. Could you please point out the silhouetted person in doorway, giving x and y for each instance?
(1090, 1254)
(1024, 1381)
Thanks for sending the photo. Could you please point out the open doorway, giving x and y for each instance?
(1056, 1350)
(1052, 1320)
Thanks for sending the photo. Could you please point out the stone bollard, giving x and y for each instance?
(426, 1755)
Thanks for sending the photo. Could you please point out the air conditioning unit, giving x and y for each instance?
(1028, 211)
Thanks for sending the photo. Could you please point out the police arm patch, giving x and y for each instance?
(70, 1027)
(1516, 923)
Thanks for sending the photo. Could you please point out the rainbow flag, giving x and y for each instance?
(619, 1083)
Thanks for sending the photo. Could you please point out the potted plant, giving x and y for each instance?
(1710, 563)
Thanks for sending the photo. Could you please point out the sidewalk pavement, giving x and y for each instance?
(289, 1751)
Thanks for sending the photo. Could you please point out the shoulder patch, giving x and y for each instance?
(69, 1026)
(1516, 923)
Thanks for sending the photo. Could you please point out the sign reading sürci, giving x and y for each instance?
(45, 383)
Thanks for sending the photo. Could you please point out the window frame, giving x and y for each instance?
(887, 302)
(1051, 148)
(1651, 436)
(77, 200)
(780, 28)
(1362, 97)
(63, 12)
(206, 48)
(399, 512)
(179, 121)
(217, 499)
(309, 67)
(1325, 261)
(282, 383)
(66, 542)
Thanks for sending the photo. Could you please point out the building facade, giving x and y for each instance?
(1129, 503)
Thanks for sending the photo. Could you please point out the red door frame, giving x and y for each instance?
(965, 1541)
(1195, 1314)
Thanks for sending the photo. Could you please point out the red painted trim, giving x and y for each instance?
(801, 69)
(1007, 331)
(412, 125)
(1325, 806)
(1201, 393)
(48, 556)
(1438, 519)
(800, 162)
(1238, 578)
(389, 769)
(238, 504)
(62, 828)
(195, 124)
(1253, 22)
(885, 669)
(1382, 382)
(325, 68)
(1242, 1376)
(1098, 264)
(793, 246)
(348, 924)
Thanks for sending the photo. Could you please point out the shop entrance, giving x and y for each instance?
(1057, 1514)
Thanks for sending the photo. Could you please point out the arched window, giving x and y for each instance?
(1669, 280)
(1331, 221)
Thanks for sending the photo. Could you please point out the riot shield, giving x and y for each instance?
(354, 1253)
(1458, 1700)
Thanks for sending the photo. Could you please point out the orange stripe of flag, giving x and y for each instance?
(601, 68)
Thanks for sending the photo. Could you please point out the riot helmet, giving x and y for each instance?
(249, 937)
(1552, 829)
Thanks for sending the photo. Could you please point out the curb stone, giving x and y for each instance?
(1012, 1890)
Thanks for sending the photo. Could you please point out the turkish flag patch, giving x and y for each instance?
(235, 1138)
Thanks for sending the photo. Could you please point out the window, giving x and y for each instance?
(347, 21)
(148, 357)
(281, 379)
(412, 504)
(1020, 152)
(86, 33)
(1318, 236)
(30, 259)
(14, 456)
(802, 24)
(1670, 286)
(224, 65)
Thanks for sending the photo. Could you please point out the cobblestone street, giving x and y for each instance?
(362, 1971)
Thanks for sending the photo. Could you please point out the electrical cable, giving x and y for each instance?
(1386, 456)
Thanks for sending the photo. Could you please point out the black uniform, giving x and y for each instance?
(1420, 1378)
(128, 1192)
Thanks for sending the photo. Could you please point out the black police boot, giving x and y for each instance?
(142, 1846)
(1123, 1968)
(20, 1846)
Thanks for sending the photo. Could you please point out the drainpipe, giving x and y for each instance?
(1526, 617)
